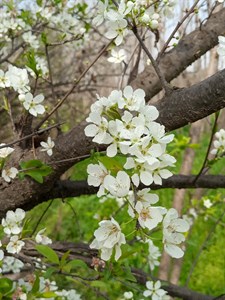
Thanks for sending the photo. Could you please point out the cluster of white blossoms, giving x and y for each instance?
(13, 226)
(219, 143)
(127, 125)
(9, 23)
(11, 264)
(143, 11)
(46, 286)
(7, 173)
(18, 79)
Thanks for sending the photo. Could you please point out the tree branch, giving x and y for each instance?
(83, 252)
(187, 105)
(188, 50)
(67, 188)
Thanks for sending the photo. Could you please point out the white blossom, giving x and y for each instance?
(98, 130)
(154, 254)
(173, 227)
(117, 56)
(207, 203)
(1, 252)
(102, 13)
(13, 220)
(32, 104)
(132, 100)
(31, 39)
(154, 290)
(15, 245)
(48, 146)
(219, 143)
(128, 295)
(4, 81)
(117, 30)
(6, 151)
(107, 237)
(96, 176)
(148, 216)
(42, 239)
(8, 174)
(12, 264)
(18, 79)
(70, 295)
(119, 186)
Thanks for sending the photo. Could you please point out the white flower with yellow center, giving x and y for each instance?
(48, 146)
(32, 104)
(107, 237)
(8, 174)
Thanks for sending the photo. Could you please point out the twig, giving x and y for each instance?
(209, 147)
(191, 10)
(41, 217)
(51, 78)
(12, 52)
(155, 65)
(162, 79)
(31, 135)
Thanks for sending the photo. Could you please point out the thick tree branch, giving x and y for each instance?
(66, 188)
(189, 49)
(188, 105)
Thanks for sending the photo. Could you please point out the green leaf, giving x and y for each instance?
(100, 284)
(6, 285)
(48, 273)
(6, 104)
(76, 263)
(47, 295)
(124, 272)
(114, 164)
(44, 38)
(39, 2)
(26, 16)
(80, 169)
(36, 285)
(64, 258)
(35, 169)
(31, 62)
(49, 253)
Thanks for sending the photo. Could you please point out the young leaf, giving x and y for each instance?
(36, 285)
(49, 253)
(35, 169)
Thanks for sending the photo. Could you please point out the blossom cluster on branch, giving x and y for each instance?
(128, 126)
